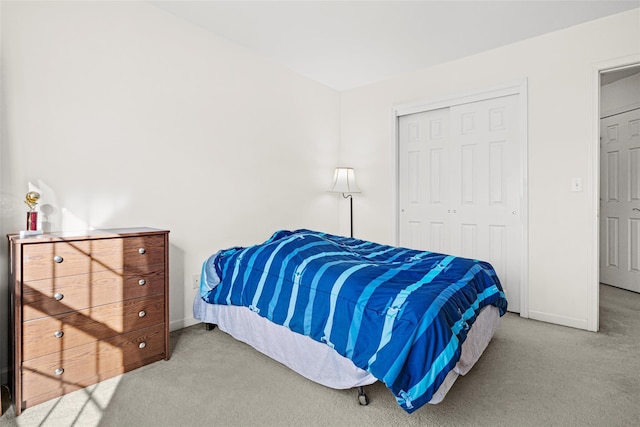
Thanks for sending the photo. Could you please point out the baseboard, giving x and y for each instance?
(571, 322)
(183, 323)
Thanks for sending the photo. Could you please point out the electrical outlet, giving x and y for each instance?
(196, 281)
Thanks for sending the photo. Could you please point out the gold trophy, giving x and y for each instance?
(32, 216)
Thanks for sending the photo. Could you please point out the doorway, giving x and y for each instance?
(619, 249)
(602, 73)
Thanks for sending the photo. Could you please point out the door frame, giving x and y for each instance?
(513, 88)
(593, 291)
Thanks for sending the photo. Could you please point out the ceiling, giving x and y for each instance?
(346, 44)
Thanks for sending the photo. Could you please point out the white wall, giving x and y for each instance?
(621, 95)
(559, 68)
(123, 115)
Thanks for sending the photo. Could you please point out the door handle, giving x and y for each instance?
(635, 209)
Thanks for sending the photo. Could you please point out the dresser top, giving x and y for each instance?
(107, 233)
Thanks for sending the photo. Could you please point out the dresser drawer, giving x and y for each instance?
(50, 297)
(56, 374)
(141, 251)
(54, 334)
(59, 259)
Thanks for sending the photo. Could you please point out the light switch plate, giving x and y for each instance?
(576, 184)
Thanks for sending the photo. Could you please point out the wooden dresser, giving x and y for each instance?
(86, 307)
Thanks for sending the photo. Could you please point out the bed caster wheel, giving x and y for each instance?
(363, 399)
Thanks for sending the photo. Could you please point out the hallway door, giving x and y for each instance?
(620, 200)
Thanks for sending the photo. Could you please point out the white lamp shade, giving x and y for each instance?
(344, 181)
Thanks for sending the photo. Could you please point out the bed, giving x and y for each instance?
(346, 312)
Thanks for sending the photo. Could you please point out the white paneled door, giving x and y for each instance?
(459, 185)
(425, 205)
(620, 200)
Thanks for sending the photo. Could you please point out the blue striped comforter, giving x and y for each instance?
(400, 314)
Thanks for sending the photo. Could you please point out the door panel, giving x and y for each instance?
(484, 138)
(424, 145)
(620, 200)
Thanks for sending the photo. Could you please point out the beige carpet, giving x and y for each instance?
(532, 374)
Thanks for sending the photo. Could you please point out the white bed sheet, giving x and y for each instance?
(320, 363)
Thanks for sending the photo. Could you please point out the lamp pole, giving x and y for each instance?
(348, 196)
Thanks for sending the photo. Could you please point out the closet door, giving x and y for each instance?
(424, 181)
(459, 187)
(485, 178)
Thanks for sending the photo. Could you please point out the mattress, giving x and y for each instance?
(320, 363)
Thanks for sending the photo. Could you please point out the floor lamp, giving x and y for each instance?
(344, 181)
